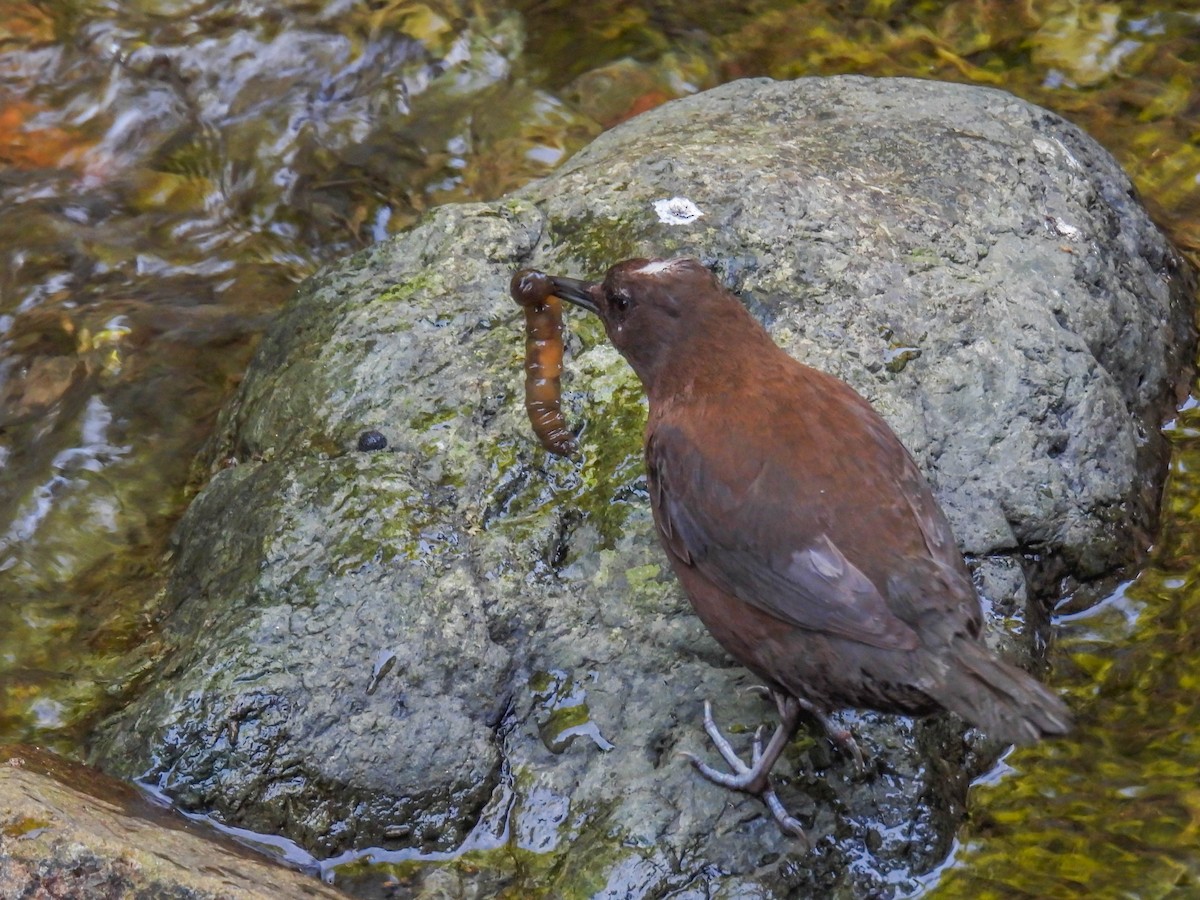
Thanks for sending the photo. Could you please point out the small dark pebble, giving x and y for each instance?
(371, 440)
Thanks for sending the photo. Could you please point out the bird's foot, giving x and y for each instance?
(846, 743)
(748, 778)
(841, 737)
(753, 778)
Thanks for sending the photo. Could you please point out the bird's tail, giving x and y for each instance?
(1004, 701)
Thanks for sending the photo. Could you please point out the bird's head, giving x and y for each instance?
(651, 308)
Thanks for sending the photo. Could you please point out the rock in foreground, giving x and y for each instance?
(68, 831)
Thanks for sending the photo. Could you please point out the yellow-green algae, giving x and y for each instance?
(24, 826)
(598, 243)
(601, 395)
(427, 281)
(613, 462)
(562, 711)
(382, 517)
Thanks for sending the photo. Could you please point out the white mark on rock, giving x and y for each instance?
(677, 211)
(1063, 228)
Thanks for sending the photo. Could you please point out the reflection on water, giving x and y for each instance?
(169, 171)
(1115, 810)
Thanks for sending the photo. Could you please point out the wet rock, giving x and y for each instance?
(69, 831)
(466, 644)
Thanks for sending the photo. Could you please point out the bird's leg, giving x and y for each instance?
(840, 736)
(753, 779)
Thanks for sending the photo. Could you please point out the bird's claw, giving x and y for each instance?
(724, 748)
(756, 747)
(842, 738)
(845, 741)
(787, 823)
(753, 778)
(737, 782)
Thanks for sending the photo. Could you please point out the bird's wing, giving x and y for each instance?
(755, 544)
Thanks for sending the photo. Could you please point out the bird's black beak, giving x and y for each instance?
(575, 291)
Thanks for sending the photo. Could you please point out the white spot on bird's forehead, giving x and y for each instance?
(658, 266)
(677, 211)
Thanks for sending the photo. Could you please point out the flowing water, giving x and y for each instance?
(170, 169)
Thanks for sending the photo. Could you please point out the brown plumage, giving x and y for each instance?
(808, 541)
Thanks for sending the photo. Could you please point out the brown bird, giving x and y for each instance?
(807, 540)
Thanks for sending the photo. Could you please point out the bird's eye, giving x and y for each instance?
(621, 302)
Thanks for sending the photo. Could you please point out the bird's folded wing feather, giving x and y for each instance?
(765, 553)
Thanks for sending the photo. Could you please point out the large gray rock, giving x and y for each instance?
(463, 643)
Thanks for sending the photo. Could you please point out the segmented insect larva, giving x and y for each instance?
(534, 292)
